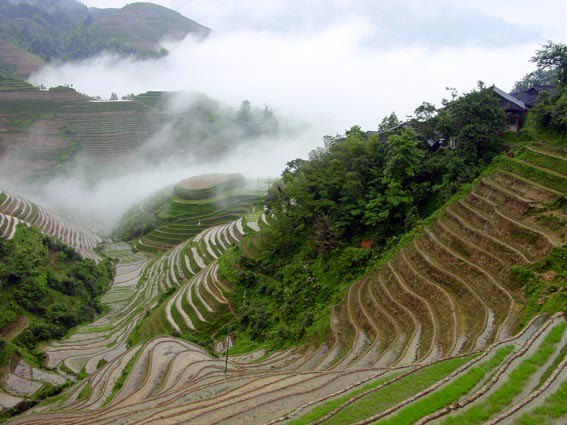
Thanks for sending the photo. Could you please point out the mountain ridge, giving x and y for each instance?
(63, 30)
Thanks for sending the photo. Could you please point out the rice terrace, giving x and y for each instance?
(403, 271)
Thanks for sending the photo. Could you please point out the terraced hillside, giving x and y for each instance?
(106, 132)
(21, 378)
(41, 129)
(141, 282)
(172, 381)
(15, 210)
(22, 62)
(429, 336)
(174, 216)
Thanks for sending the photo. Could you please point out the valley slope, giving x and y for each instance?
(434, 324)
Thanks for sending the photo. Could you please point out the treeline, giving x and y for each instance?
(48, 284)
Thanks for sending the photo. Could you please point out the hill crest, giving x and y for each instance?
(65, 30)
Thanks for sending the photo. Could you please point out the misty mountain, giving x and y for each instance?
(62, 30)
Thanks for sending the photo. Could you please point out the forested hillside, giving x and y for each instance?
(341, 211)
(68, 30)
(47, 289)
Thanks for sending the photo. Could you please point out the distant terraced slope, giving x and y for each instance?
(24, 63)
(40, 129)
(16, 210)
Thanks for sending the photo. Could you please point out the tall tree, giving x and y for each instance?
(539, 77)
(474, 120)
(395, 205)
(553, 57)
(389, 122)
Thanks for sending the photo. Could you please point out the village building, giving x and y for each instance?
(517, 104)
(516, 110)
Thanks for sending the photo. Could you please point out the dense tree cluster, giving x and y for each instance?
(48, 283)
(549, 117)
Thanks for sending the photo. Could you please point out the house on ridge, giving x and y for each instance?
(516, 110)
(518, 104)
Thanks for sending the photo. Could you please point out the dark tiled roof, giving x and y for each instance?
(515, 102)
(531, 96)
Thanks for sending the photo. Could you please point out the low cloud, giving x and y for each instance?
(333, 77)
(448, 21)
(100, 204)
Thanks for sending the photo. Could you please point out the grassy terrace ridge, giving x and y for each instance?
(208, 185)
(15, 84)
(553, 408)
(175, 215)
(381, 394)
(516, 382)
(449, 393)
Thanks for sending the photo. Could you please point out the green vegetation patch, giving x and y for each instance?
(542, 160)
(394, 393)
(49, 284)
(556, 182)
(449, 393)
(122, 379)
(515, 384)
(544, 283)
(553, 408)
(328, 406)
(86, 392)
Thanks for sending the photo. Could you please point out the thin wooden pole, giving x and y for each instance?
(226, 358)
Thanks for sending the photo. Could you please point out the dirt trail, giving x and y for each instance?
(15, 328)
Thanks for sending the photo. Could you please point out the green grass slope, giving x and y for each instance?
(177, 214)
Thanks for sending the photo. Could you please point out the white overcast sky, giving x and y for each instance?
(547, 16)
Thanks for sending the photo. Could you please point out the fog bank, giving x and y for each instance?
(333, 78)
